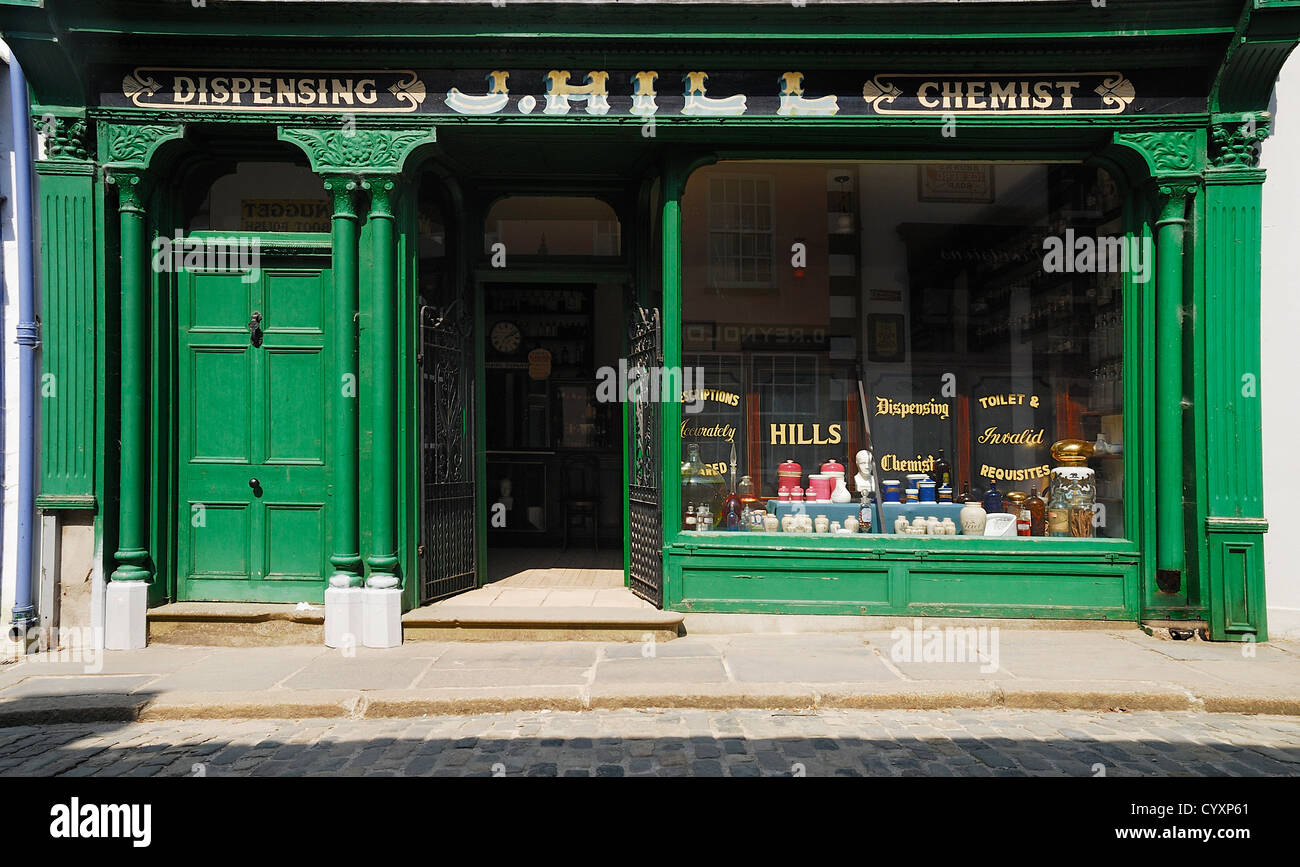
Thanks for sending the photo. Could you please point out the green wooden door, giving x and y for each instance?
(253, 409)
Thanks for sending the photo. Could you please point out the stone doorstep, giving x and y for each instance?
(538, 623)
(238, 624)
(234, 612)
(235, 624)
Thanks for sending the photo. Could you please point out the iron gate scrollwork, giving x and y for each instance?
(645, 350)
(448, 547)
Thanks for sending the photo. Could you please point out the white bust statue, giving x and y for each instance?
(863, 481)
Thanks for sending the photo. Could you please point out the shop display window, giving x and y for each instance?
(969, 315)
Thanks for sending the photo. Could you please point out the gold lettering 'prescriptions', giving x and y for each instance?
(713, 394)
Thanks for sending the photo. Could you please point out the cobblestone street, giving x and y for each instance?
(675, 743)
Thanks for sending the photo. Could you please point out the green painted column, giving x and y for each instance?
(1234, 522)
(69, 241)
(1171, 557)
(132, 556)
(383, 539)
(345, 554)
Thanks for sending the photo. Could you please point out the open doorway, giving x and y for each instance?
(554, 470)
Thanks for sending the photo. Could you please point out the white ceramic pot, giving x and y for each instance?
(841, 493)
(973, 518)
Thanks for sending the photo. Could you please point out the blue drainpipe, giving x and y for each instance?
(24, 613)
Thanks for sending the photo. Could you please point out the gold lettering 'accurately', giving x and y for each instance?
(724, 432)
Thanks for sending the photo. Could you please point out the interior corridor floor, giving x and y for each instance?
(551, 578)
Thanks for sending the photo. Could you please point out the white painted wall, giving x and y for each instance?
(1279, 380)
(9, 320)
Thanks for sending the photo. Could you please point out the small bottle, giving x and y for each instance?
(703, 518)
(864, 515)
(942, 473)
(748, 493)
(731, 510)
(964, 496)
(1058, 510)
(1037, 514)
(993, 499)
(1023, 522)
(689, 521)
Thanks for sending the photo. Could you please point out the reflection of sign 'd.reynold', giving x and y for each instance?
(642, 93)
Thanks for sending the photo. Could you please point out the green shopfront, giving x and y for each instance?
(338, 296)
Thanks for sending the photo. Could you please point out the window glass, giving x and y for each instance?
(265, 197)
(552, 226)
(973, 310)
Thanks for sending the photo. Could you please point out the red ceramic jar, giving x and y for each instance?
(833, 468)
(789, 475)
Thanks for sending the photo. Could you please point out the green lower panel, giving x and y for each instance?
(802, 584)
(281, 590)
(1027, 594)
(769, 589)
(1237, 586)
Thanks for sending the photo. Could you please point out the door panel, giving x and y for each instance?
(221, 550)
(254, 463)
(221, 430)
(295, 409)
(295, 537)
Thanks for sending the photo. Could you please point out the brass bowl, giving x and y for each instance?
(1072, 453)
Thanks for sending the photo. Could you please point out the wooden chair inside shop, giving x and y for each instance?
(580, 495)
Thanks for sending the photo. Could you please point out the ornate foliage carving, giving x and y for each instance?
(351, 148)
(65, 137)
(1166, 153)
(1235, 143)
(133, 144)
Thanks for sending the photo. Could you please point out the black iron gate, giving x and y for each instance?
(645, 531)
(448, 546)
